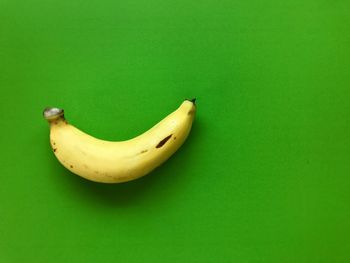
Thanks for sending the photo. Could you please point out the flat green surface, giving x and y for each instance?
(265, 173)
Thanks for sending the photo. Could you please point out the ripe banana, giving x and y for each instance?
(115, 162)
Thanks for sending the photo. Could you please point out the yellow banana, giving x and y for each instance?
(115, 162)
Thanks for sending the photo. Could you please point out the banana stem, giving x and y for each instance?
(52, 113)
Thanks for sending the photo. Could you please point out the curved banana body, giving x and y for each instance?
(115, 162)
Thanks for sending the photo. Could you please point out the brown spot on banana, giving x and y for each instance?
(190, 112)
(162, 142)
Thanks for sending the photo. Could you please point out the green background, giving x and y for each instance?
(265, 173)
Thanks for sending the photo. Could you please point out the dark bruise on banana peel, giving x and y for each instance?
(162, 142)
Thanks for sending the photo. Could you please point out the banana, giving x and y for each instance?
(116, 162)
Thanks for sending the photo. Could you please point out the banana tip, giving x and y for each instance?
(192, 100)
